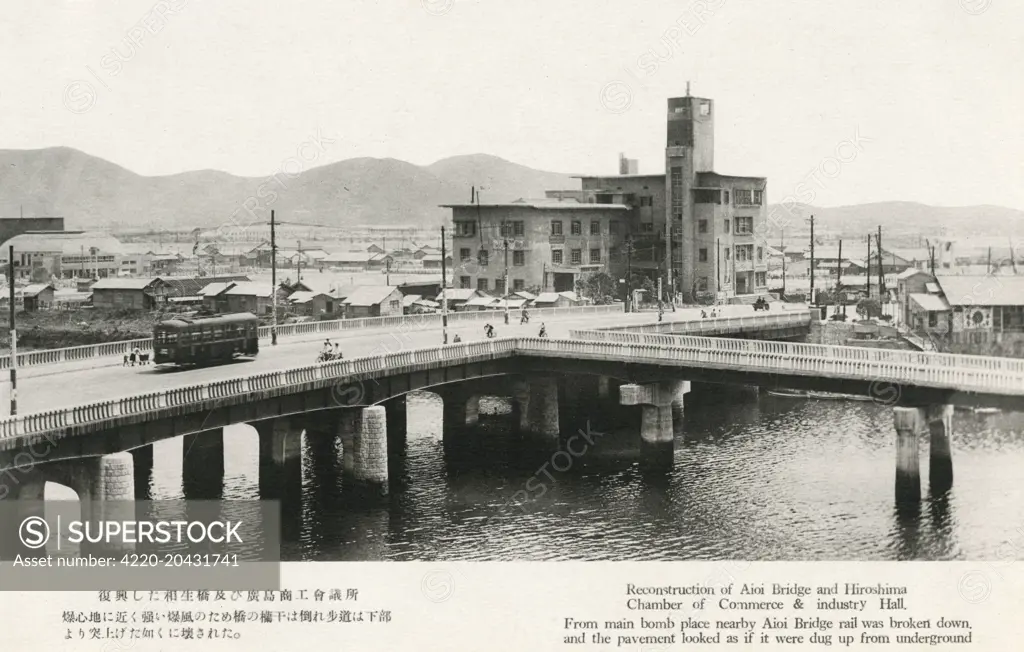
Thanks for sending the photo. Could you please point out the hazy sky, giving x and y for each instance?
(933, 87)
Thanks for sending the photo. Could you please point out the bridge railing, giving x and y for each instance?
(122, 347)
(911, 368)
(720, 324)
(816, 351)
(51, 420)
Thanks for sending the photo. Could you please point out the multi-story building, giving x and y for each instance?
(550, 243)
(710, 226)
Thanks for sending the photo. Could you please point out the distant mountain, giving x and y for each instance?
(90, 192)
(93, 193)
(903, 222)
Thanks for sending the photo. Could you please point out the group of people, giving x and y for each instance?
(704, 313)
(490, 332)
(135, 355)
(330, 352)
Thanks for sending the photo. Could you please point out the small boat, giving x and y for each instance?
(827, 396)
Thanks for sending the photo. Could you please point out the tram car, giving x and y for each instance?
(207, 340)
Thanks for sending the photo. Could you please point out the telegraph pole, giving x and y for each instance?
(298, 264)
(444, 288)
(629, 273)
(273, 280)
(782, 244)
(881, 273)
(14, 334)
(505, 235)
(812, 261)
(869, 270)
(839, 280)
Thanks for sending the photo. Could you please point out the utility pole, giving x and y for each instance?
(988, 265)
(14, 334)
(812, 261)
(839, 280)
(298, 264)
(783, 246)
(869, 270)
(718, 267)
(629, 273)
(504, 235)
(881, 272)
(273, 280)
(387, 273)
(444, 288)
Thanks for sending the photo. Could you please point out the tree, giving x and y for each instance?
(597, 287)
(869, 308)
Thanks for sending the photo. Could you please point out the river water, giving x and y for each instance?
(757, 478)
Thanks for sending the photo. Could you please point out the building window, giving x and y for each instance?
(577, 228)
(556, 227)
(482, 284)
(702, 255)
(483, 257)
(595, 256)
(506, 229)
(760, 254)
(576, 257)
(395, 305)
(464, 254)
(465, 228)
(464, 282)
(518, 258)
(556, 256)
(702, 284)
(728, 253)
(728, 228)
(744, 225)
(933, 320)
(647, 201)
(726, 197)
(517, 228)
(518, 285)
(761, 279)
(705, 108)
(702, 226)
(499, 286)
(595, 227)
(646, 227)
(613, 227)
(758, 197)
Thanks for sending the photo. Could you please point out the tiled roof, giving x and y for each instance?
(995, 290)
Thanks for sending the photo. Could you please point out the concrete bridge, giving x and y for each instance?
(96, 448)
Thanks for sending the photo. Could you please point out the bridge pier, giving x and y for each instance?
(678, 390)
(657, 439)
(106, 489)
(909, 423)
(397, 418)
(940, 455)
(460, 409)
(142, 460)
(280, 459)
(202, 465)
(542, 407)
(370, 448)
